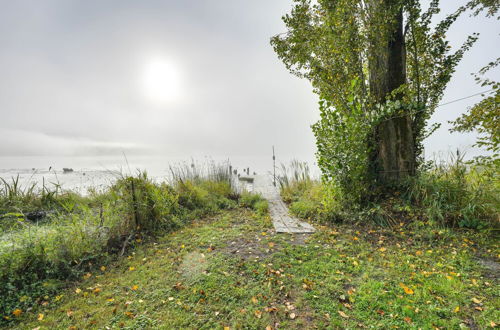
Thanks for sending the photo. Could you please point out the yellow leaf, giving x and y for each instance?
(131, 268)
(271, 245)
(419, 253)
(227, 328)
(254, 300)
(258, 314)
(457, 309)
(135, 287)
(17, 312)
(292, 316)
(476, 301)
(110, 300)
(355, 238)
(382, 249)
(406, 289)
(344, 315)
(78, 290)
(103, 268)
(182, 246)
(40, 317)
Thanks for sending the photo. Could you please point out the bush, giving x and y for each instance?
(255, 202)
(457, 195)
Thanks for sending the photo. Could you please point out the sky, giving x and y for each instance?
(185, 78)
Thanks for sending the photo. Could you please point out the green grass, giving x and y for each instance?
(231, 270)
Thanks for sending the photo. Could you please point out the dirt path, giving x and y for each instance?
(282, 221)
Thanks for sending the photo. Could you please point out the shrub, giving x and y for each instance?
(457, 195)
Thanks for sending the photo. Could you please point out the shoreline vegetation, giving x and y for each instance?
(51, 237)
(199, 252)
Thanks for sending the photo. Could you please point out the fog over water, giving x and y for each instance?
(84, 82)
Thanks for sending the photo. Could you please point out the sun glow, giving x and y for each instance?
(161, 82)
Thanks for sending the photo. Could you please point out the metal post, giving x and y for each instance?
(274, 168)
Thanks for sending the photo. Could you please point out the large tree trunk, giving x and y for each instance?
(393, 155)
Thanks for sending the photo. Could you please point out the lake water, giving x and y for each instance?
(101, 171)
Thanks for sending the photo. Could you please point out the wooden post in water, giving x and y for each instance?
(274, 168)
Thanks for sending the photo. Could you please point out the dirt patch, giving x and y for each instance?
(252, 247)
(492, 268)
(256, 246)
(299, 239)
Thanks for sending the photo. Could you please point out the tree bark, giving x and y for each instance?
(393, 156)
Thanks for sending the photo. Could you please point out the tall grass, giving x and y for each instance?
(78, 233)
(449, 192)
(457, 193)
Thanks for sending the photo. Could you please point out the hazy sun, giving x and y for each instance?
(161, 81)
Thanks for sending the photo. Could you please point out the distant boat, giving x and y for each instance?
(67, 170)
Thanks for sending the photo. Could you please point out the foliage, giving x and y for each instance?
(484, 117)
(453, 194)
(334, 46)
(255, 202)
(449, 193)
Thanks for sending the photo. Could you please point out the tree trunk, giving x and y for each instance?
(393, 156)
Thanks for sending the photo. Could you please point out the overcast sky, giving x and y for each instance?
(80, 78)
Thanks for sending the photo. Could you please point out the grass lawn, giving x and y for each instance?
(232, 271)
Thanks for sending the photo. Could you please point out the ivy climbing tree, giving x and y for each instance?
(380, 69)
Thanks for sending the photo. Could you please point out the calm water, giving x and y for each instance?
(100, 172)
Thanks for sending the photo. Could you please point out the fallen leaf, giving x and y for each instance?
(406, 289)
(292, 316)
(254, 300)
(382, 249)
(408, 320)
(344, 315)
(258, 314)
(131, 268)
(17, 312)
(40, 317)
(134, 288)
(129, 314)
(97, 290)
(78, 290)
(103, 268)
(456, 310)
(476, 301)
